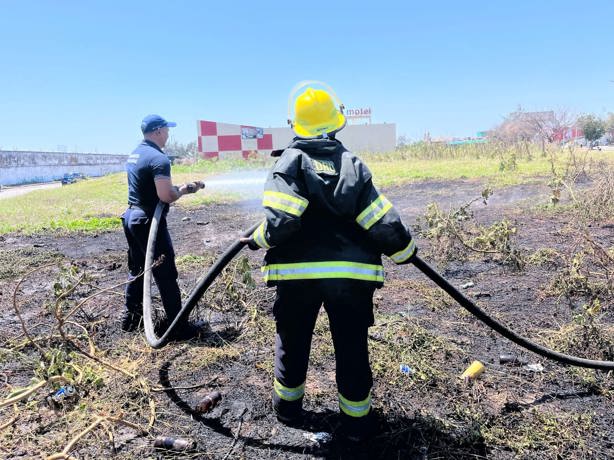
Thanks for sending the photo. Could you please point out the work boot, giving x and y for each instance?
(131, 321)
(296, 420)
(290, 413)
(358, 429)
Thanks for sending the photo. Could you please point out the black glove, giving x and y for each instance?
(250, 243)
(253, 246)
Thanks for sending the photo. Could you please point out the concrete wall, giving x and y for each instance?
(379, 137)
(29, 167)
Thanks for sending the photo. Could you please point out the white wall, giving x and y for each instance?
(381, 137)
(29, 167)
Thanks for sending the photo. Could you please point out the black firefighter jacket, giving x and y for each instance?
(326, 219)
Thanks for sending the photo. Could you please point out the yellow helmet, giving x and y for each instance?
(315, 113)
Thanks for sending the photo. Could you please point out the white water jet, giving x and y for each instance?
(246, 183)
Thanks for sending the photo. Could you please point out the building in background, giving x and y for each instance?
(225, 140)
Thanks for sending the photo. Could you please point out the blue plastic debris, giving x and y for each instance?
(405, 369)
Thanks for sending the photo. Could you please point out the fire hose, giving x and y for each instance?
(204, 283)
(196, 294)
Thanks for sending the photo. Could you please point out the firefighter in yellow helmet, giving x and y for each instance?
(326, 228)
(316, 114)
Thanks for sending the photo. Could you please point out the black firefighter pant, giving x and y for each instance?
(349, 306)
(136, 228)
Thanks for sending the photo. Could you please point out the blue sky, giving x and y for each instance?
(81, 75)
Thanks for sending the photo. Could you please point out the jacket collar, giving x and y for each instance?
(317, 146)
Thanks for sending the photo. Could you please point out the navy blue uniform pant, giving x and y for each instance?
(349, 306)
(136, 228)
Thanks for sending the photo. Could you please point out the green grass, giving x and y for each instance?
(90, 205)
(95, 205)
(391, 172)
(397, 172)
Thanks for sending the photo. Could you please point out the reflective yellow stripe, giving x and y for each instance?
(374, 212)
(319, 270)
(404, 254)
(284, 202)
(288, 394)
(355, 408)
(259, 236)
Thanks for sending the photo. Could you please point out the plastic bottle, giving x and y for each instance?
(178, 444)
(64, 394)
(208, 402)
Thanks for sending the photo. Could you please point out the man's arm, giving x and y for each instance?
(169, 193)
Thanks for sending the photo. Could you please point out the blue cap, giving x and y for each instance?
(152, 122)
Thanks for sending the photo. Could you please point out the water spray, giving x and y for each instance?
(242, 181)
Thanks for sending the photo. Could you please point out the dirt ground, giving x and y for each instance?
(509, 412)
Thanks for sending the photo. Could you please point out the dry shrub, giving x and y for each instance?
(597, 203)
(588, 273)
(455, 234)
(586, 336)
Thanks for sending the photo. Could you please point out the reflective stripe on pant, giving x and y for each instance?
(355, 409)
(349, 306)
(136, 228)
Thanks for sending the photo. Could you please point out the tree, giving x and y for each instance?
(550, 126)
(402, 141)
(177, 149)
(593, 128)
(609, 126)
(545, 127)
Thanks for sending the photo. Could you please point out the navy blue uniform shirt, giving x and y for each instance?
(146, 163)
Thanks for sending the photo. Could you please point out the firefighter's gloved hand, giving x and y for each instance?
(250, 243)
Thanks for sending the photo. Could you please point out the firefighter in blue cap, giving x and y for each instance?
(149, 182)
(326, 228)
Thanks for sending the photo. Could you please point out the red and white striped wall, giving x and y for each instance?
(219, 140)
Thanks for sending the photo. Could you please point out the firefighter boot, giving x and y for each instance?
(358, 429)
(290, 413)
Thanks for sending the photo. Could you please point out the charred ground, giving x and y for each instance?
(561, 295)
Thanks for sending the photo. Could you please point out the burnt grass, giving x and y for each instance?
(508, 412)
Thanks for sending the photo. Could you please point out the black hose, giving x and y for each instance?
(502, 329)
(197, 292)
(233, 250)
